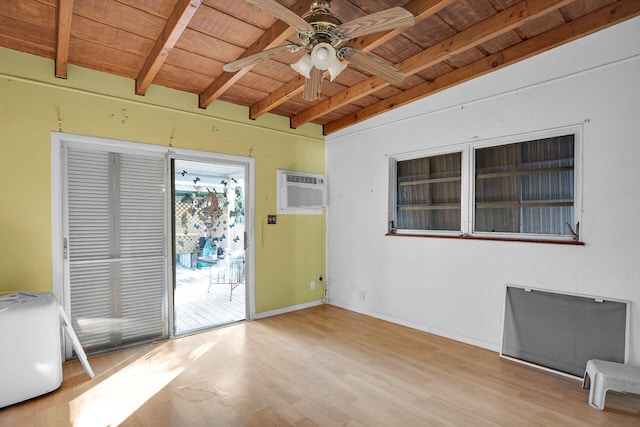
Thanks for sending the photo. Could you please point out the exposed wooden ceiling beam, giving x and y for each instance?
(173, 29)
(475, 35)
(580, 27)
(272, 37)
(421, 9)
(65, 14)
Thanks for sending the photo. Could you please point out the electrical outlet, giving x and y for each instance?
(271, 219)
(313, 285)
(361, 295)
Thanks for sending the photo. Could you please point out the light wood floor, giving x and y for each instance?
(320, 366)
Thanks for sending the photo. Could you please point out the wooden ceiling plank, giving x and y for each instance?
(477, 34)
(581, 27)
(175, 26)
(121, 16)
(366, 87)
(420, 9)
(27, 37)
(65, 15)
(272, 37)
(498, 24)
(274, 99)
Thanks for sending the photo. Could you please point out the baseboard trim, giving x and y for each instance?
(289, 309)
(420, 327)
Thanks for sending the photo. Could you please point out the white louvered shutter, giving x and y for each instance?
(117, 247)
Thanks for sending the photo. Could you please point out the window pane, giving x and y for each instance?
(525, 187)
(429, 193)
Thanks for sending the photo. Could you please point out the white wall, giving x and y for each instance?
(455, 287)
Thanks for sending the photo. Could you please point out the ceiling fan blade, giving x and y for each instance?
(282, 13)
(389, 19)
(239, 64)
(313, 85)
(369, 62)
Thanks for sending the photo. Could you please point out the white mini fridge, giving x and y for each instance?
(30, 346)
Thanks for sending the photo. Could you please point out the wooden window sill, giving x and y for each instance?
(498, 239)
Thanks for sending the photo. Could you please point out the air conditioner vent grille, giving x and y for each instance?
(300, 193)
(302, 179)
(298, 197)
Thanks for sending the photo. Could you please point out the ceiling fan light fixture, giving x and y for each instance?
(323, 57)
(303, 66)
(336, 69)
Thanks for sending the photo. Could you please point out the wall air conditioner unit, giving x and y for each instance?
(300, 193)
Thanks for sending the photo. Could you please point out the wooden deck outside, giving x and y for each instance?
(198, 305)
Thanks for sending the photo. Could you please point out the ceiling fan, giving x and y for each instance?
(321, 32)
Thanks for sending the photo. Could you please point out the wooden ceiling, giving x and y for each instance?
(183, 44)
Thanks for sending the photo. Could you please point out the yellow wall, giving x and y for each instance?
(33, 103)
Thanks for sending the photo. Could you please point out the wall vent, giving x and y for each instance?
(300, 193)
(561, 332)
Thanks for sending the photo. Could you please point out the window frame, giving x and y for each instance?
(468, 184)
(393, 185)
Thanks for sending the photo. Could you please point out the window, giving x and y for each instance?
(428, 193)
(522, 188)
(526, 187)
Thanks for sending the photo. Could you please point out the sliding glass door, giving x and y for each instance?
(148, 242)
(209, 242)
